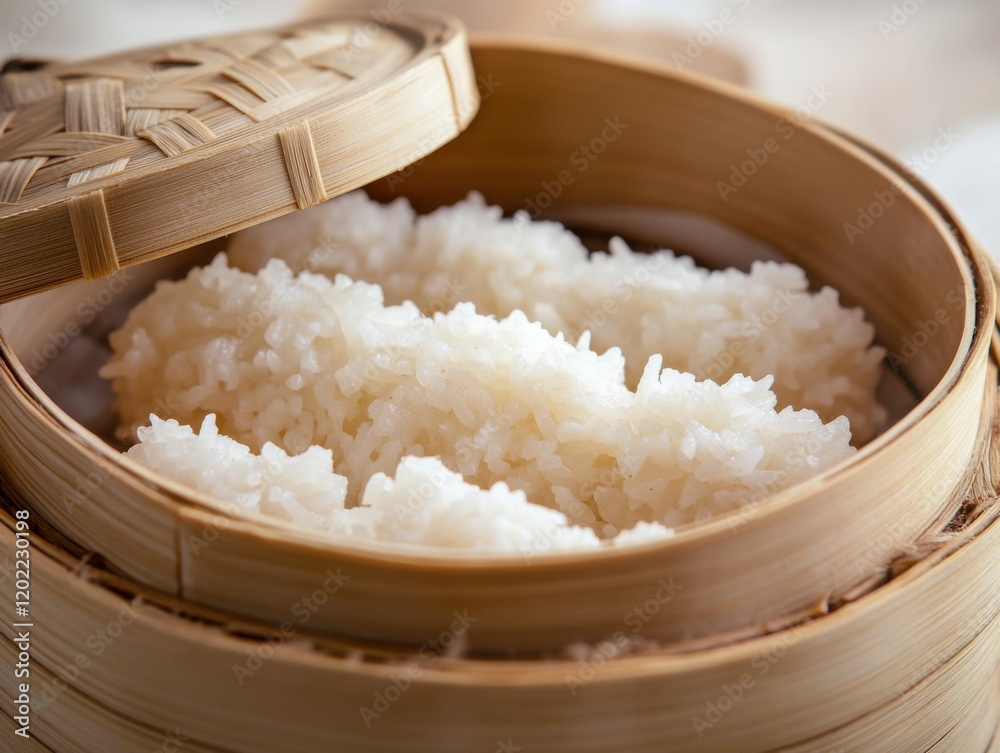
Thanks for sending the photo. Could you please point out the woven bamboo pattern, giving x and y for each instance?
(64, 125)
(269, 121)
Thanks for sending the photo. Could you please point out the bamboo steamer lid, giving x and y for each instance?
(790, 556)
(113, 161)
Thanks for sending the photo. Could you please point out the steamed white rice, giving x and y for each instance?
(711, 324)
(401, 403)
(409, 507)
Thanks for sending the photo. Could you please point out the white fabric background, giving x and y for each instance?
(895, 84)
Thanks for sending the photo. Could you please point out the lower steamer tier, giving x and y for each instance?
(909, 666)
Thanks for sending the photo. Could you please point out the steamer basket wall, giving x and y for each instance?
(741, 574)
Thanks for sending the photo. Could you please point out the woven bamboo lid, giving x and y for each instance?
(109, 162)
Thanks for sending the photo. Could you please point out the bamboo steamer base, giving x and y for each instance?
(77, 724)
(952, 709)
(911, 666)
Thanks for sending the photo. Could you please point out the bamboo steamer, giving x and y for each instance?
(908, 666)
(880, 632)
(740, 575)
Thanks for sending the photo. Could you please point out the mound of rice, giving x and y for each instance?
(293, 363)
(711, 324)
(424, 503)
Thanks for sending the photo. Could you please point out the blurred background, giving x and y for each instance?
(917, 78)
